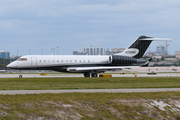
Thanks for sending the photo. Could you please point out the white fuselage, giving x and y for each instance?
(40, 61)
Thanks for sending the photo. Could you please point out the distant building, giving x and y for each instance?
(114, 51)
(89, 50)
(177, 54)
(94, 51)
(166, 57)
(14, 57)
(170, 57)
(79, 53)
(150, 53)
(157, 57)
(160, 50)
(4, 54)
(108, 52)
(99, 51)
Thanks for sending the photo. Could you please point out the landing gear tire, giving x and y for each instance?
(86, 75)
(94, 75)
(20, 76)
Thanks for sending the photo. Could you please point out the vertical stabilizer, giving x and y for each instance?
(139, 46)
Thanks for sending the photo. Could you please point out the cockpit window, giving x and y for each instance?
(22, 59)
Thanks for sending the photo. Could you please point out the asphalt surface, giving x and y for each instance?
(81, 75)
(14, 92)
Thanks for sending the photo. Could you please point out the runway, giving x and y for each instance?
(81, 75)
(14, 92)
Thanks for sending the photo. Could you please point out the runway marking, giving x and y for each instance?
(14, 92)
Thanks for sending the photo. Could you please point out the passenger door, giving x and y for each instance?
(33, 62)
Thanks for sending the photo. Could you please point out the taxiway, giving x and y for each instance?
(81, 75)
(14, 92)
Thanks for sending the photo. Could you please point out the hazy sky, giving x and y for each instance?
(74, 24)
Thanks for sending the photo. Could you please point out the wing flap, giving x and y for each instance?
(101, 68)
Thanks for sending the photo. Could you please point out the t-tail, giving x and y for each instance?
(139, 46)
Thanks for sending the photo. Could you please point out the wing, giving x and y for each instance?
(98, 69)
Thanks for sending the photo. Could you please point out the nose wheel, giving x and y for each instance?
(20, 76)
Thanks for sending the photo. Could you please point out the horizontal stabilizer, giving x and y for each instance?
(156, 39)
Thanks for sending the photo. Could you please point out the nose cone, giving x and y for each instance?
(11, 65)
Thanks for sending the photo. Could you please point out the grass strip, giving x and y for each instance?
(87, 106)
(88, 83)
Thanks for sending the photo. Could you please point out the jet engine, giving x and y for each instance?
(122, 60)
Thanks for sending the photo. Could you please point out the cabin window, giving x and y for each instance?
(49, 61)
(80, 61)
(39, 60)
(70, 60)
(66, 60)
(61, 60)
(75, 60)
(53, 60)
(44, 60)
(88, 60)
(22, 59)
(57, 60)
(84, 61)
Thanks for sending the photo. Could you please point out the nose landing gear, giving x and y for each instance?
(20, 76)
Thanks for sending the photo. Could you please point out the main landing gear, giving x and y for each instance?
(92, 75)
(86, 75)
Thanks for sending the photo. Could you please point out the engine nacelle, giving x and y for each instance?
(122, 60)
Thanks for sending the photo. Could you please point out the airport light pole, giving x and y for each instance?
(4, 60)
(51, 51)
(41, 51)
(54, 51)
(57, 49)
(29, 51)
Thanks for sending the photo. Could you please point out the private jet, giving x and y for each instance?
(89, 65)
